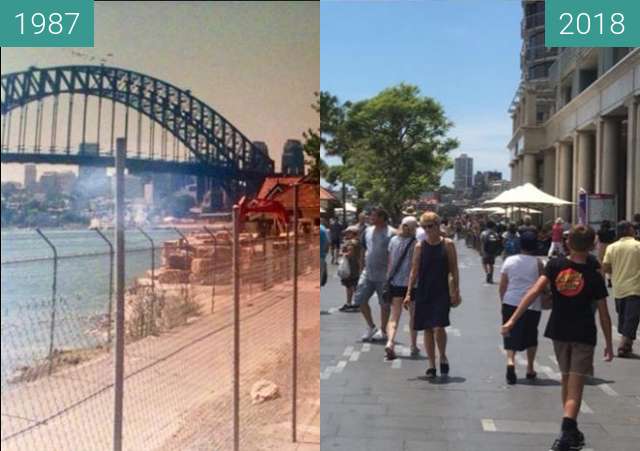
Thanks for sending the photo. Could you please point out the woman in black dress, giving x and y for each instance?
(434, 262)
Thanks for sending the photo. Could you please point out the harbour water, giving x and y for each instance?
(82, 287)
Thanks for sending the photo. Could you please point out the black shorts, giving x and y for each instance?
(400, 292)
(488, 260)
(524, 334)
(628, 310)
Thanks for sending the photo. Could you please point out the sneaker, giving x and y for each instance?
(389, 352)
(369, 334)
(415, 351)
(430, 373)
(379, 336)
(345, 307)
(568, 441)
(512, 379)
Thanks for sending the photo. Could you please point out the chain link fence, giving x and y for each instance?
(58, 363)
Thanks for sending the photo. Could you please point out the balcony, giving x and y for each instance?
(532, 21)
(539, 52)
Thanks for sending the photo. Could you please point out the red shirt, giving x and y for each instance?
(556, 233)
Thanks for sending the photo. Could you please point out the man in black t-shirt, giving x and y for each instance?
(578, 290)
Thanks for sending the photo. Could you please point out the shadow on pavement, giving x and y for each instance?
(441, 380)
(597, 381)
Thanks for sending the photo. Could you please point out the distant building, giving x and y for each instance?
(292, 158)
(463, 172)
(92, 180)
(66, 182)
(50, 183)
(30, 177)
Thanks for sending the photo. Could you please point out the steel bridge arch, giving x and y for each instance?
(210, 137)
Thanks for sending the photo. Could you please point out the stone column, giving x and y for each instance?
(585, 161)
(565, 175)
(529, 168)
(549, 182)
(599, 152)
(609, 160)
(633, 159)
(574, 177)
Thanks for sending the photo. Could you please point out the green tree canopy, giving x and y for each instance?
(394, 146)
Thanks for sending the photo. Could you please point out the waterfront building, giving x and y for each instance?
(576, 119)
(92, 180)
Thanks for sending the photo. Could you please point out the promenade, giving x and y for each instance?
(372, 404)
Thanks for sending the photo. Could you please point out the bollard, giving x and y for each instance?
(110, 311)
(53, 297)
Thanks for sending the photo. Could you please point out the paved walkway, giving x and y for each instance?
(370, 404)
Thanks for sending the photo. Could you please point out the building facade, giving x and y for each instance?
(463, 172)
(30, 177)
(576, 120)
(292, 158)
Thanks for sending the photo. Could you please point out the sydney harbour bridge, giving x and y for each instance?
(49, 115)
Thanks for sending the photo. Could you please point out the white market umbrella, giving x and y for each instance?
(527, 194)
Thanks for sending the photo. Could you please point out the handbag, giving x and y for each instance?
(546, 297)
(386, 289)
(344, 268)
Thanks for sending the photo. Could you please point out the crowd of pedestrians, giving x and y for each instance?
(558, 267)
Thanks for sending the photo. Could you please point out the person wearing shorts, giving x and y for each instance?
(401, 249)
(622, 261)
(519, 273)
(576, 287)
(373, 278)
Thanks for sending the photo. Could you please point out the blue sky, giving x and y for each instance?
(465, 54)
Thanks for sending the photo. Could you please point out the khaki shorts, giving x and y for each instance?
(574, 357)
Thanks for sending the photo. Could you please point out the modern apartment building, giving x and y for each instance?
(463, 172)
(576, 119)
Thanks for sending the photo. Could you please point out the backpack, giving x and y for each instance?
(492, 243)
(512, 245)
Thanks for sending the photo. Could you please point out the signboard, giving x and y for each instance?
(601, 207)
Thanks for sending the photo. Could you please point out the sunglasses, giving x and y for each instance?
(430, 225)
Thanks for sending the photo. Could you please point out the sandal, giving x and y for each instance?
(430, 373)
(532, 376)
(624, 351)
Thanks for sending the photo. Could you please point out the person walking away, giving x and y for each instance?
(511, 242)
(622, 261)
(400, 255)
(519, 273)
(324, 249)
(335, 232)
(527, 224)
(372, 279)
(556, 249)
(636, 225)
(490, 248)
(350, 252)
(434, 262)
(576, 288)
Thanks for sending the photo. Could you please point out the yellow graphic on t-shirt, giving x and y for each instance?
(569, 282)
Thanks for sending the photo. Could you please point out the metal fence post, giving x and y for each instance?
(236, 327)
(111, 256)
(118, 404)
(294, 366)
(53, 297)
(152, 322)
(186, 258)
(215, 267)
(153, 258)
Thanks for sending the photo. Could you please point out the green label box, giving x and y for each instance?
(46, 23)
(592, 23)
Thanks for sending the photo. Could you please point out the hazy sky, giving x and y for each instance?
(256, 64)
(465, 54)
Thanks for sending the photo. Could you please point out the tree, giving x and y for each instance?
(312, 142)
(394, 146)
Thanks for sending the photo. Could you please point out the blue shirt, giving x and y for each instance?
(324, 242)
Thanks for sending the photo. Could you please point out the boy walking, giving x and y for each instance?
(491, 247)
(577, 288)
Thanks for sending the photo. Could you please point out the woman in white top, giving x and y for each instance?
(519, 273)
